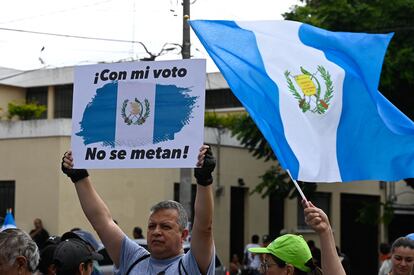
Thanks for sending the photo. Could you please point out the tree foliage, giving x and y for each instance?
(373, 16)
(275, 181)
(26, 111)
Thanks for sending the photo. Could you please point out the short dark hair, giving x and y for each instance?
(170, 204)
(137, 231)
(402, 242)
(255, 238)
(384, 248)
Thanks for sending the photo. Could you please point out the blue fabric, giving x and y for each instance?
(374, 139)
(235, 52)
(8, 221)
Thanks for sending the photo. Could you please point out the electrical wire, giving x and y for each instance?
(71, 36)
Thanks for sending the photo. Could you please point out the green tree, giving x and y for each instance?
(26, 111)
(373, 16)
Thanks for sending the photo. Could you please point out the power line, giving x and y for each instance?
(73, 36)
(152, 55)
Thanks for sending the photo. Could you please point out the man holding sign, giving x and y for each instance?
(166, 226)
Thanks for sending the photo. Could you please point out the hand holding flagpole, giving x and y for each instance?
(298, 188)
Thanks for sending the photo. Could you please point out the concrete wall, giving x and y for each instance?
(33, 165)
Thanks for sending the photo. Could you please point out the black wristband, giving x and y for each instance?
(74, 174)
(203, 174)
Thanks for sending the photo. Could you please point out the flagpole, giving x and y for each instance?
(298, 187)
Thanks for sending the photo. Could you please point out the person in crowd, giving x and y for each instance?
(167, 226)
(74, 257)
(266, 240)
(85, 236)
(46, 265)
(252, 261)
(93, 245)
(235, 267)
(384, 259)
(38, 233)
(402, 258)
(19, 254)
(316, 252)
(137, 233)
(384, 252)
(290, 254)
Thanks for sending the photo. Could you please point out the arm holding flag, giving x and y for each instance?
(319, 222)
(95, 209)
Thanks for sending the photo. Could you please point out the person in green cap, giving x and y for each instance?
(290, 254)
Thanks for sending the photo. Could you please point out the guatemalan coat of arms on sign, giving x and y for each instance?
(133, 113)
(313, 99)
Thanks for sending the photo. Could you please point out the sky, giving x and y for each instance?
(152, 22)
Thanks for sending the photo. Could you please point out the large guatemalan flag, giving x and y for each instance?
(313, 94)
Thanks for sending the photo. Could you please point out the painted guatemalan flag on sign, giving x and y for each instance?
(313, 94)
(160, 111)
(138, 114)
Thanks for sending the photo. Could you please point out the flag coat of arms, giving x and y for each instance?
(313, 94)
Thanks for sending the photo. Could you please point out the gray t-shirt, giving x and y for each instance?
(131, 251)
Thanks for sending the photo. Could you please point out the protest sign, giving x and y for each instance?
(138, 114)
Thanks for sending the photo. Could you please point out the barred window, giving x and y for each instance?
(221, 98)
(7, 193)
(37, 95)
(63, 101)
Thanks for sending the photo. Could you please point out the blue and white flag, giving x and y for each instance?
(160, 112)
(313, 94)
(8, 221)
(138, 114)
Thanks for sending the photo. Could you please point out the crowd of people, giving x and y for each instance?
(77, 252)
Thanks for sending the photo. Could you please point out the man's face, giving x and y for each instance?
(402, 260)
(165, 238)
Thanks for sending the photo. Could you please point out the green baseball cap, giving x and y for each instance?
(290, 248)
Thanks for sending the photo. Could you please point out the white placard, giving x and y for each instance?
(138, 114)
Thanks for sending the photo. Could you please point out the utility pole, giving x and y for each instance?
(186, 51)
(185, 173)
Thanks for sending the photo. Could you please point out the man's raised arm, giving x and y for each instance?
(95, 208)
(202, 243)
